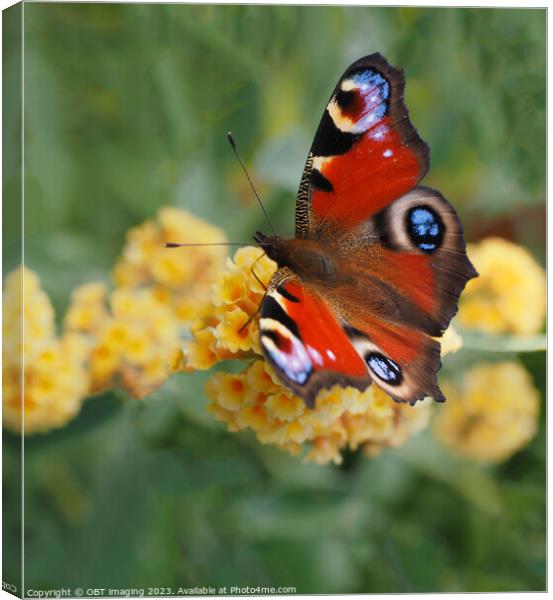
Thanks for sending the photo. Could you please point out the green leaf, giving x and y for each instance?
(503, 343)
(471, 481)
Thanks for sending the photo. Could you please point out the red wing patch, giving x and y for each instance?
(413, 275)
(362, 180)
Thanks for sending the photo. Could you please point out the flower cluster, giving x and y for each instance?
(491, 413)
(343, 417)
(128, 337)
(254, 399)
(221, 332)
(180, 278)
(44, 377)
(509, 294)
(132, 337)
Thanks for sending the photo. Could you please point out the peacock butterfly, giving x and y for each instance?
(378, 262)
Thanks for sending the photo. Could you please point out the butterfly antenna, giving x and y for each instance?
(178, 245)
(233, 146)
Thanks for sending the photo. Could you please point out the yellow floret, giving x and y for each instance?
(88, 308)
(491, 413)
(200, 352)
(43, 387)
(509, 294)
(232, 332)
(284, 407)
(229, 389)
(230, 289)
(136, 344)
(180, 277)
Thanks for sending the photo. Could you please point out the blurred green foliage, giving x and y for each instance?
(126, 110)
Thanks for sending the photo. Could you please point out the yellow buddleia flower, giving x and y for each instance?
(88, 308)
(509, 294)
(133, 341)
(255, 400)
(343, 417)
(491, 413)
(451, 341)
(23, 295)
(44, 378)
(134, 331)
(221, 333)
(179, 277)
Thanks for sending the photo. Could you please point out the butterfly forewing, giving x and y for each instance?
(303, 338)
(366, 152)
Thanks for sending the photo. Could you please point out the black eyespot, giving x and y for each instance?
(384, 368)
(345, 99)
(425, 228)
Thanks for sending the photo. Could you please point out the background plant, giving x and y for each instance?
(126, 111)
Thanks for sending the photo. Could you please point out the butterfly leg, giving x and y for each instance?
(259, 280)
(265, 293)
(256, 311)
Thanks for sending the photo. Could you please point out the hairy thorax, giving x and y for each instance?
(308, 259)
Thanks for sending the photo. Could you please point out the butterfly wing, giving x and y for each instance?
(304, 341)
(365, 154)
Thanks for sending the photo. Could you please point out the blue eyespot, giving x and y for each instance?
(374, 90)
(384, 368)
(425, 228)
(368, 80)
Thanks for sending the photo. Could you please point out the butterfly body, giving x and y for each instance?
(310, 260)
(377, 265)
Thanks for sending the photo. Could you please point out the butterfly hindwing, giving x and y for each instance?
(366, 152)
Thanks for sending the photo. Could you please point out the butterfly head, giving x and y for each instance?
(273, 246)
(301, 256)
